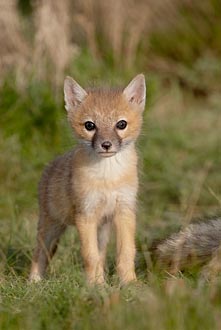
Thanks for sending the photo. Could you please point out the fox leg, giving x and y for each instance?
(87, 229)
(48, 236)
(125, 224)
(103, 239)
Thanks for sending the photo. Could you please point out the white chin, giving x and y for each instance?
(107, 154)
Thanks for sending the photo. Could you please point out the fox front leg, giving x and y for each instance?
(125, 224)
(87, 229)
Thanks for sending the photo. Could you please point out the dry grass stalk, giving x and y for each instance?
(52, 47)
(86, 19)
(14, 50)
(189, 214)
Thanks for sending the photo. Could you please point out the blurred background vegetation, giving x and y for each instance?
(176, 44)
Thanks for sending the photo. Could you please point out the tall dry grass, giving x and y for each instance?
(14, 50)
(46, 53)
(115, 26)
(119, 26)
(119, 32)
(53, 49)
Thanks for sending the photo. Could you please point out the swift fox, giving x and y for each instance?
(95, 185)
(197, 244)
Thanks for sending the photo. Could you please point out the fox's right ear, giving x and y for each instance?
(74, 94)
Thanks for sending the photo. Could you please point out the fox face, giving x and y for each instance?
(105, 120)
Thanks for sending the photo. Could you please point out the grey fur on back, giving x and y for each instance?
(193, 245)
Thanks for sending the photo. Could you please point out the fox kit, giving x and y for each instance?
(94, 185)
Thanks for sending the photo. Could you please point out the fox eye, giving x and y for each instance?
(122, 124)
(89, 125)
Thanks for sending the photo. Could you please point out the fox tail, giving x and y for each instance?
(194, 245)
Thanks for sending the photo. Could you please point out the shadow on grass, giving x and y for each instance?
(16, 260)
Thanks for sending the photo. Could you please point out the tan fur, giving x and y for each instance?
(90, 189)
(197, 244)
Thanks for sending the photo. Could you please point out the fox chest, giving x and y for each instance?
(103, 202)
(105, 185)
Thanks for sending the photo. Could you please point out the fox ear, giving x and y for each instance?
(74, 94)
(135, 92)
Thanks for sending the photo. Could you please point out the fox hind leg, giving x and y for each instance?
(49, 233)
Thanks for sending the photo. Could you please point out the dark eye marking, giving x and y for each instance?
(122, 124)
(90, 126)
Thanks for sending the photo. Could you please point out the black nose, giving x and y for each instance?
(106, 145)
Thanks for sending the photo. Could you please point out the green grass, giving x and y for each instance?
(180, 178)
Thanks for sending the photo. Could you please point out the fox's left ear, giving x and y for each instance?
(135, 92)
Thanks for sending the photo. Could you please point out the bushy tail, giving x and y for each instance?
(192, 246)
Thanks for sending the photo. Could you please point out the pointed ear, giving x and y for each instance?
(74, 94)
(135, 92)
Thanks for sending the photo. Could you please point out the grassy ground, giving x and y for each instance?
(180, 179)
